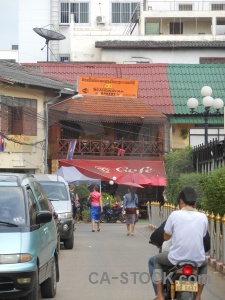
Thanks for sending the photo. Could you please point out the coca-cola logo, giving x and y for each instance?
(103, 169)
(125, 170)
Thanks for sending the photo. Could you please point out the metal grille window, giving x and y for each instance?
(217, 6)
(64, 12)
(185, 7)
(122, 12)
(19, 115)
(64, 57)
(212, 60)
(80, 10)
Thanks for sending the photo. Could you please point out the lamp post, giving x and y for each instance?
(78, 96)
(208, 102)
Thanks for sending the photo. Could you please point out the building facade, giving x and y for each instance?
(123, 31)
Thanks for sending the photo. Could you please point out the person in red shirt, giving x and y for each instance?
(96, 208)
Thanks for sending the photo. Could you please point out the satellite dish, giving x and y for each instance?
(49, 35)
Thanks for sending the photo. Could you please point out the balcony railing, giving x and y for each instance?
(141, 148)
(168, 5)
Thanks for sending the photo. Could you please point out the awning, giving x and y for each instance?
(107, 169)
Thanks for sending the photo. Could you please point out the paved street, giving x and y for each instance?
(110, 265)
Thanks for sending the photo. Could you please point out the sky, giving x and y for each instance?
(8, 23)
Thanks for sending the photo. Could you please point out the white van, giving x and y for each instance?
(57, 191)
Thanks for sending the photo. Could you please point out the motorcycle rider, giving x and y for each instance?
(187, 227)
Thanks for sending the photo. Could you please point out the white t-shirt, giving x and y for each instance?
(187, 227)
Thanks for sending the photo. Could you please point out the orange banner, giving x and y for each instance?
(117, 87)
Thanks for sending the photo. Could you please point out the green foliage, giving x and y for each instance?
(177, 163)
(86, 215)
(209, 187)
(194, 180)
(107, 198)
(83, 192)
(214, 189)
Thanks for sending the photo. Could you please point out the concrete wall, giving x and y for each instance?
(22, 156)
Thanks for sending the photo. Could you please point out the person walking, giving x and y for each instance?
(96, 207)
(130, 204)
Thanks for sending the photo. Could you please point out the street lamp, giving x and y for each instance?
(78, 96)
(208, 102)
(111, 182)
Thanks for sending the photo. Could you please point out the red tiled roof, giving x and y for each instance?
(153, 82)
(103, 108)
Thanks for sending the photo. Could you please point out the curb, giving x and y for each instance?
(216, 265)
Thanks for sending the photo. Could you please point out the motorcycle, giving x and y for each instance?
(112, 214)
(181, 281)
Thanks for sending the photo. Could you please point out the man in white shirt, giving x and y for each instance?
(187, 228)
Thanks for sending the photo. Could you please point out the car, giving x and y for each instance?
(57, 191)
(28, 249)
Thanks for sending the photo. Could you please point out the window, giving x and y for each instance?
(185, 7)
(19, 116)
(218, 6)
(176, 28)
(41, 198)
(80, 10)
(212, 60)
(64, 57)
(151, 28)
(122, 12)
(33, 209)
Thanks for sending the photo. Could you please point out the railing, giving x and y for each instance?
(216, 255)
(111, 148)
(183, 6)
(210, 156)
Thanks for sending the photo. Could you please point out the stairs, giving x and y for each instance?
(134, 20)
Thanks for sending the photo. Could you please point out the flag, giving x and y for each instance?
(2, 143)
(71, 149)
(120, 152)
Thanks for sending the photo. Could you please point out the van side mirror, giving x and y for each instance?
(43, 217)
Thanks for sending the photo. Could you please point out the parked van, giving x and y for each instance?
(28, 240)
(57, 191)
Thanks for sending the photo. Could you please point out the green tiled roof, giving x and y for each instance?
(218, 120)
(186, 81)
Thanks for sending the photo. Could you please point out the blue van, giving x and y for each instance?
(28, 235)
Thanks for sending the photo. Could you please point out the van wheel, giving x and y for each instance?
(48, 287)
(35, 294)
(68, 244)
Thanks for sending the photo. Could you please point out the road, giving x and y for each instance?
(110, 265)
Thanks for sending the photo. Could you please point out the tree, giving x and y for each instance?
(177, 163)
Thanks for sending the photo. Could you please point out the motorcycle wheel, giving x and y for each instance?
(104, 218)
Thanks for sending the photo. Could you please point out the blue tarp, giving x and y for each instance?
(72, 175)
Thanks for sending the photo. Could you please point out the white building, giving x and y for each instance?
(166, 31)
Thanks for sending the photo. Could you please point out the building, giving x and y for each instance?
(24, 94)
(124, 31)
(166, 88)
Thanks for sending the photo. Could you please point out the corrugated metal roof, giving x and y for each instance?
(118, 44)
(215, 120)
(166, 87)
(186, 81)
(103, 108)
(153, 85)
(14, 73)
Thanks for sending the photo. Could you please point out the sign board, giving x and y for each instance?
(20, 144)
(116, 87)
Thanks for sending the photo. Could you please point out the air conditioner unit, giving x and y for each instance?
(100, 20)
